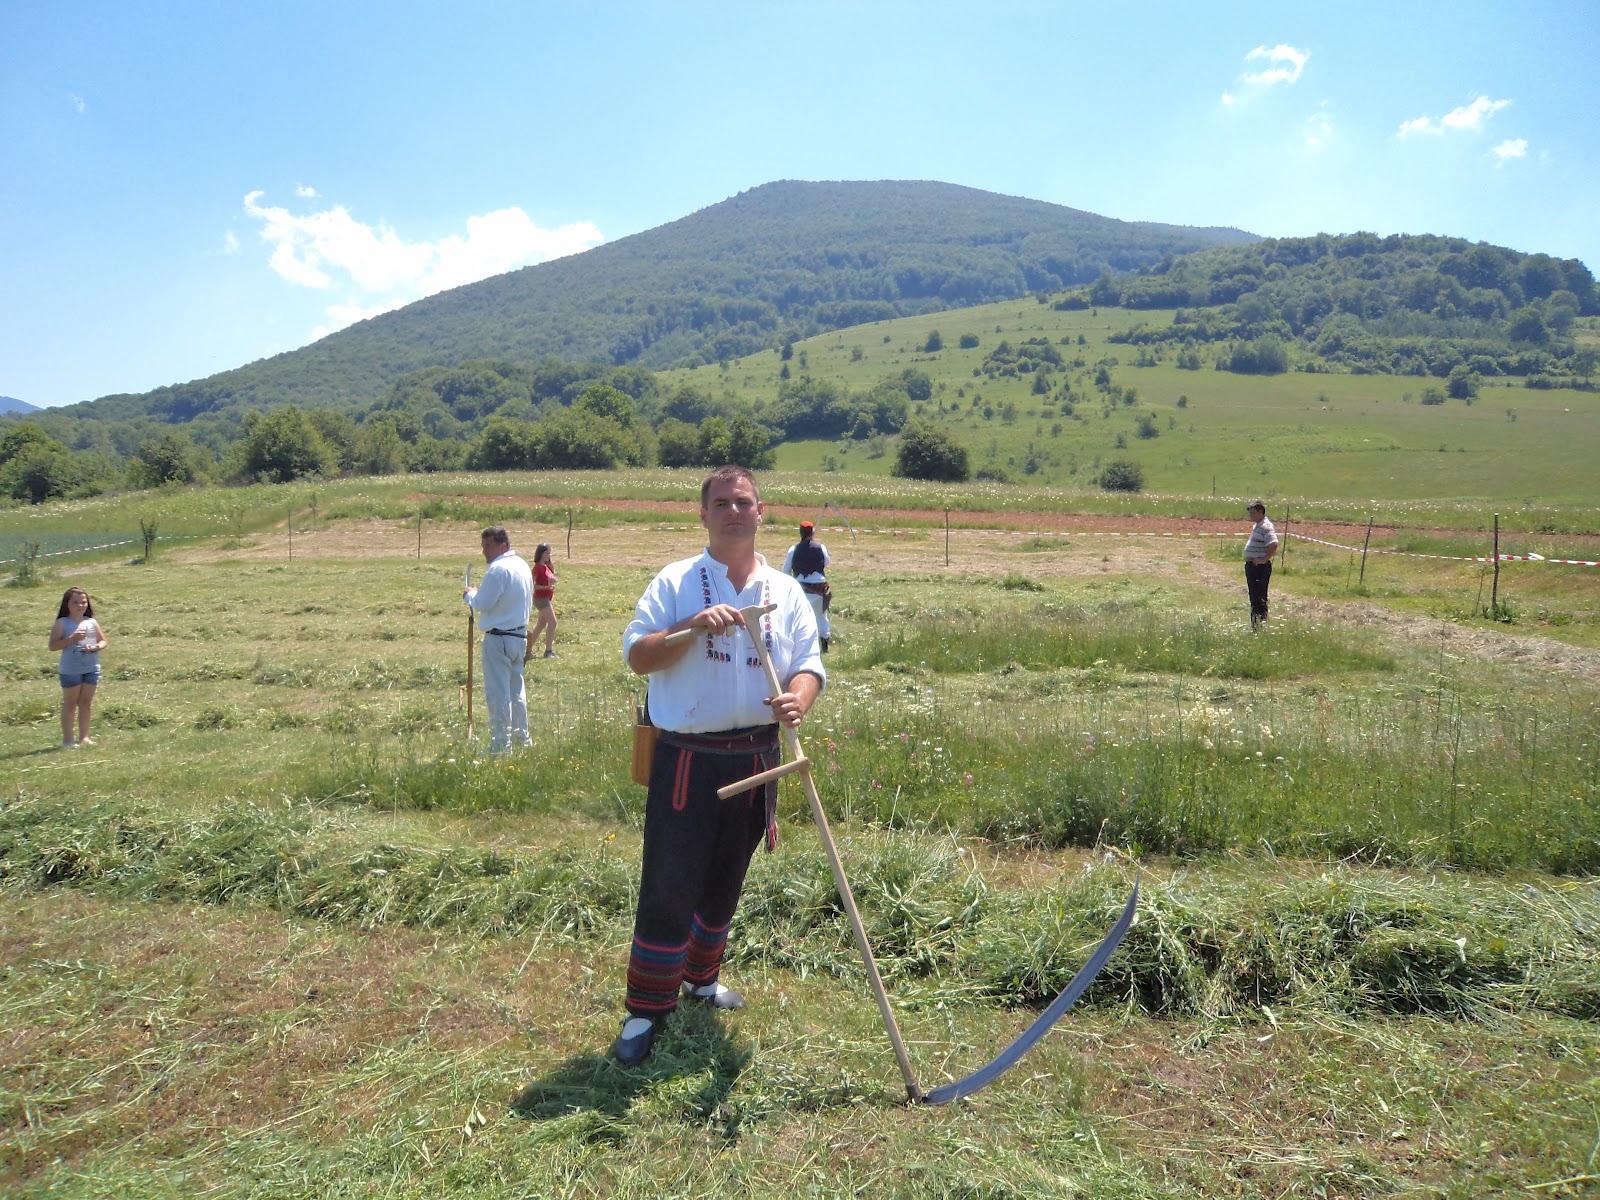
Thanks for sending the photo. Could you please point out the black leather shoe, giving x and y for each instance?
(634, 1043)
(714, 996)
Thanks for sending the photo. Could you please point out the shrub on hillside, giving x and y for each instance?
(1260, 356)
(1122, 475)
(1462, 384)
(284, 445)
(928, 453)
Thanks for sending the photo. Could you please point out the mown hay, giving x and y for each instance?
(1217, 943)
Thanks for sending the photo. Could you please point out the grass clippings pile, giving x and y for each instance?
(1216, 944)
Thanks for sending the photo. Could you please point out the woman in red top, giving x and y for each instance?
(544, 594)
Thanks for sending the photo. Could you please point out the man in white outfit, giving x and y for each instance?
(502, 603)
(719, 724)
(807, 561)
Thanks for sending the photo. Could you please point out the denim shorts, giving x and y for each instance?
(71, 681)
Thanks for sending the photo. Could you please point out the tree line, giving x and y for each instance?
(478, 416)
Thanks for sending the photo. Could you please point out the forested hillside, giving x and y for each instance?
(1401, 305)
(780, 261)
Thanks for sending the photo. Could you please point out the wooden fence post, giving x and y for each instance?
(569, 533)
(1494, 590)
(1364, 543)
(947, 537)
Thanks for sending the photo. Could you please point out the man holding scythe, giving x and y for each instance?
(501, 603)
(808, 561)
(719, 724)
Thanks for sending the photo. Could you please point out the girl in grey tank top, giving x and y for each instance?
(78, 635)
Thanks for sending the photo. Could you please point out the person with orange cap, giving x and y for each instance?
(807, 561)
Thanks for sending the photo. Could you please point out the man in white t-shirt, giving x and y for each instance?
(719, 724)
(502, 602)
(1258, 554)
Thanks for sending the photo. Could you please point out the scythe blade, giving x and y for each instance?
(1008, 1057)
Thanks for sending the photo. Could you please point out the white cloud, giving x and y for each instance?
(1284, 66)
(305, 191)
(78, 103)
(230, 242)
(1317, 131)
(1472, 116)
(382, 271)
(1287, 62)
(1468, 118)
(1509, 149)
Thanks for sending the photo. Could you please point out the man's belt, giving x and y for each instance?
(752, 739)
(523, 632)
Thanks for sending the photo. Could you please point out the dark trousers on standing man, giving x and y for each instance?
(1257, 575)
(697, 849)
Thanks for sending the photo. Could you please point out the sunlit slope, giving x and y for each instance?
(1296, 434)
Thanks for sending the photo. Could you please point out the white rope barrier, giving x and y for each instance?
(1197, 533)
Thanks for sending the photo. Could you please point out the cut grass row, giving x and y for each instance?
(152, 1054)
(1212, 945)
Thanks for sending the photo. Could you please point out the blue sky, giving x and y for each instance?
(187, 187)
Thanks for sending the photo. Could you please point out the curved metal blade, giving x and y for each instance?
(986, 1075)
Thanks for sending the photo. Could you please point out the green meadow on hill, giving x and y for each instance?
(1298, 435)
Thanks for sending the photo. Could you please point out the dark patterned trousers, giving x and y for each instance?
(697, 849)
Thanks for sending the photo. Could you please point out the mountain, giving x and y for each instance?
(11, 405)
(783, 260)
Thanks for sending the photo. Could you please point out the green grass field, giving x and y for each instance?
(1305, 438)
(285, 932)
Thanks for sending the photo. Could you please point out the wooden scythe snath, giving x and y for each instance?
(800, 765)
(472, 616)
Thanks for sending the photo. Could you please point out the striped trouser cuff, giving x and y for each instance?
(654, 975)
(706, 944)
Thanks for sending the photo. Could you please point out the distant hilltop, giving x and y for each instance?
(10, 404)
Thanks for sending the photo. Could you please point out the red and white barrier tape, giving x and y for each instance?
(1482, 558)
(1104, 533)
